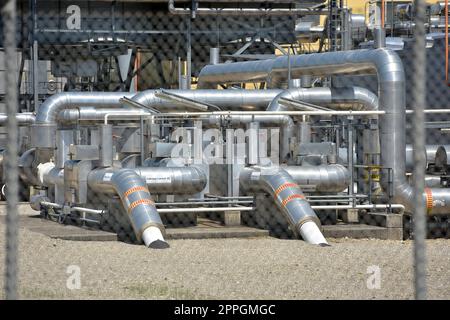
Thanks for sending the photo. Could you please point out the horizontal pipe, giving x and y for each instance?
(227, 99)
(360, 206)
(23, 119)
(227, 11)
(159, 180)
(202, 209)
(325, 178)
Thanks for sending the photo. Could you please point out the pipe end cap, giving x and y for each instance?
(159, 244)
(324, 245)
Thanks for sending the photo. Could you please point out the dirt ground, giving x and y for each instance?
(263, 268)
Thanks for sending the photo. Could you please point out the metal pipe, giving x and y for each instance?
(159, 180)
(23, 119)
(201, 209)
(50, 109)
(137, 203)
(383, 62)
(288, 197)
(243, 11)
(360, 206)
(98, 115)
(325, 178)
(226, 99)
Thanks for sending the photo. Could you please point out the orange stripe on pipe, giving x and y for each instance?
(285, 186)
(292, 197)
(429, 198)
(135, 189)
(383, 9)
(138, 203)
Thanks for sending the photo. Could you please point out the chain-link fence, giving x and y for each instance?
(181, 124)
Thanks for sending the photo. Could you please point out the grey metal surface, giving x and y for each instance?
(391, 81)
(325, 179)
(136, 200)
(287, 194)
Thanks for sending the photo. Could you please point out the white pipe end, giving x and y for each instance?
(311, 233)
(154, 239)
(43, 170)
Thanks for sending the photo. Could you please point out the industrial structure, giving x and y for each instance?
(137, 116)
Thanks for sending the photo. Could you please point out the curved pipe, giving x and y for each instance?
(329, 97)
(383, 62)
(288, 197)
(138, 205)
(50, 109)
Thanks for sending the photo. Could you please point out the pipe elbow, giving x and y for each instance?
(389, 65)
(48, 111)
(140, 208)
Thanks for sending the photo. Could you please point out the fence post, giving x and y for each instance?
(419, 215)
(11, 170)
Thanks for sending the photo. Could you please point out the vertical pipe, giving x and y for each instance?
(350, 157)
(106, 145)
(418, 101)
(11, 160)
(214, 56)
(188, 54)
(141, 140)
(253, 143)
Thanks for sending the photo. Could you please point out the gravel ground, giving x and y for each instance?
(264, 268)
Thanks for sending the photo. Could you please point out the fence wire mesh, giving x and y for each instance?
(181, 124)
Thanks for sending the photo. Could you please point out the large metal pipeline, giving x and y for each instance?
(159, 180)
(139, 206)
(133, 192)
(391, 81)
(325, 178)
(227, 99)
(329, 97)
(288, 197)
(228, 11)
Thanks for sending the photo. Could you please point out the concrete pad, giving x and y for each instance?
(355, 231)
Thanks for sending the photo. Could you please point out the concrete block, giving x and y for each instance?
(394, 233)
(232, 218)
(350, 216)
(387, 220)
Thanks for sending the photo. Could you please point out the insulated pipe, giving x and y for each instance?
(23, 119)
(326, 96)
(138, 205)
(227, 99)
(43, 131)
(244, 11)
(324, 178)
(432, 151)
(391, 82)
(98, 115)
(329, 97)
(289, 198)
(50, 109)
(160, 180)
